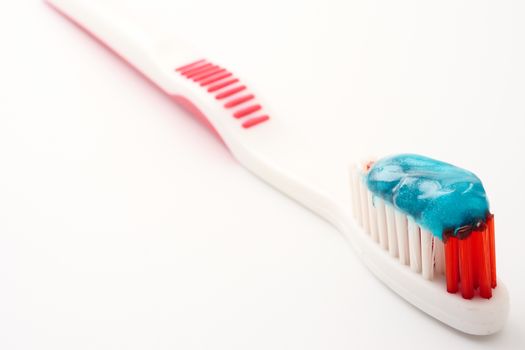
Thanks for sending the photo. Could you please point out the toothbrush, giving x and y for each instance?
(448, 274)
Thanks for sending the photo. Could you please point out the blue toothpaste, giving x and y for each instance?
(439, 196)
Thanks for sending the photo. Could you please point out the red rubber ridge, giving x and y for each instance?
(217, 79)
(238, 101)
(254, 121)
(187, 66)
(246, 111)
(230, 92)
(198, 70)
(208, 74)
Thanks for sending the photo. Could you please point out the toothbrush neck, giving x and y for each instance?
(283, 161)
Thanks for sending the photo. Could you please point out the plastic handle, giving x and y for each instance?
(139, 42)
(211, 92)
(243, 122)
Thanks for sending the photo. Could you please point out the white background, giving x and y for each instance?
(123, 224)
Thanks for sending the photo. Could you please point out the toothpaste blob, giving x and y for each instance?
(439, 196)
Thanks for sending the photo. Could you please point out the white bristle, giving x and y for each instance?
(391, 230)
(439, 256)
(427, 260)
(395, 231)
(402, 236)
(364, 203)
(372, 215)
(414, 245)
(381, 222)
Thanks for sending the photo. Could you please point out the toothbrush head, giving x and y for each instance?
(434, 219)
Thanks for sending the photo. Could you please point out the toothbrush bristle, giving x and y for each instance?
(492, 248)
(485, 283)
(452, 264)
(465, 258)
(465, 267)
(477, 261)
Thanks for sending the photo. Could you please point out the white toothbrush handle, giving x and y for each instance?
(165, 60)
(212, 93)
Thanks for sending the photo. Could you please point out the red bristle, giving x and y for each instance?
(485, 290)
(451, 264)
(492, 243)
(476, 256)
(465, 267)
